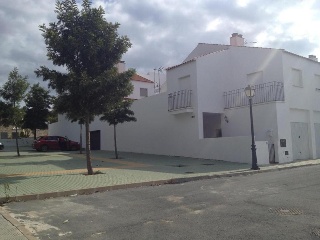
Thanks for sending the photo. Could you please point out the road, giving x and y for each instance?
(272, 205)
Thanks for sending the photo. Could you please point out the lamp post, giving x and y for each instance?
(249, 91)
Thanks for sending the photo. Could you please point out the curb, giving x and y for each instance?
(87, 191)
(19, 226)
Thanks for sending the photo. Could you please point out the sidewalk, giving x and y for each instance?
(38, 175)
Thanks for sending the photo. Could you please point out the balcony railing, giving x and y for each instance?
(265, 92)
(179, 100)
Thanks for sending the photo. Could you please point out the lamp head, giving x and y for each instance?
(249, 91)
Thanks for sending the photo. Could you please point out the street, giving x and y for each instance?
(271, 205)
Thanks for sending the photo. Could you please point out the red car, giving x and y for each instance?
(46, 143)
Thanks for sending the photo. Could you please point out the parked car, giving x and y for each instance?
(1, 146)
(46, 143)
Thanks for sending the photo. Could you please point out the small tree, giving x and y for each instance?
(38, 101)
(5, 114)
(88, 47)
(13, 92)
(119, 113)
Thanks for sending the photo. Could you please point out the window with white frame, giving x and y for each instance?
(143, 92)
(296, 77)
(317, 82)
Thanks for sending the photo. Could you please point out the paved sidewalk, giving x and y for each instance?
(37, 175)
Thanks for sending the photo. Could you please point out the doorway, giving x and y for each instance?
(95, 142)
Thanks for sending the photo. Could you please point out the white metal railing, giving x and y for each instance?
(179, 100)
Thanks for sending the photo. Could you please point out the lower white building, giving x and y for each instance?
(205, 113)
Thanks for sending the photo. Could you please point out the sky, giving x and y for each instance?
(164, 32)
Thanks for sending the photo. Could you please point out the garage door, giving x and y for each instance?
(317, 135)
(300, 141)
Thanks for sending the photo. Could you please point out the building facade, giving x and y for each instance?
(205, 113)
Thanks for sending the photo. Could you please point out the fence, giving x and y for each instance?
(179, 100)
(265, 92)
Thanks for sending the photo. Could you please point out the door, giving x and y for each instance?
(317, 136)
(95, 140)
(300, 141)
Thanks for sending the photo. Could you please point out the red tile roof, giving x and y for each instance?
(139, 78)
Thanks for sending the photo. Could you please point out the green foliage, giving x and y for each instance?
(119, 113)
(38, 101)
(89, 47)
(6, 114)
(53, 116)
(13, 92)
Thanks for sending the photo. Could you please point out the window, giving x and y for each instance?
(296, 77)
(143, 92)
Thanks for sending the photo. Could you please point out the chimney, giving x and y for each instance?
(236, 40)
(121, 66)
(313, 57)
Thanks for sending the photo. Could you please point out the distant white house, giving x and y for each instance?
(142, 86)
(205, 113)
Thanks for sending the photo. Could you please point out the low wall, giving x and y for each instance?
(160, 132)
(232, 149)
(23, 142)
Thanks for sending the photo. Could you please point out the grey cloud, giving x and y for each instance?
(162, 32)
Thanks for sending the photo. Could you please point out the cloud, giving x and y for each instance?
(164, 32)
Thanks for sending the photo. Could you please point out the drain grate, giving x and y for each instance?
(189, 172)
(207, 164)
(316, 232)
(286, 211)
(179, 165)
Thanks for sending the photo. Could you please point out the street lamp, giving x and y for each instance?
(249, 91)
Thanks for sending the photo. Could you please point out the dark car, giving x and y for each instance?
(1, 146)
(46, 143)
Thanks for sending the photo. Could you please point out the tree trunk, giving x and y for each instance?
(81, 138)
(15, 125)
(89, 166)
(35, 134)
(115, 140)
(17, 143)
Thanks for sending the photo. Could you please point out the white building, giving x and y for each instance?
(205, 113)
(142, 86)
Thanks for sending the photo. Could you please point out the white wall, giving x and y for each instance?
(23, 142)
(66, 129)
(159, 132)
(302, 101)
(227, 70)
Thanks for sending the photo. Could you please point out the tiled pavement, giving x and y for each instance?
(36, 175)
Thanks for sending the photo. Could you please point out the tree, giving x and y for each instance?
(38, 101)
(89, 48)
(6, 113)
(13, 92)
(119, 113)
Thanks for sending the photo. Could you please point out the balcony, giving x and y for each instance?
(180, 101)
(264, 93)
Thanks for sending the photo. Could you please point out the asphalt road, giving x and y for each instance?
(274, 205)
